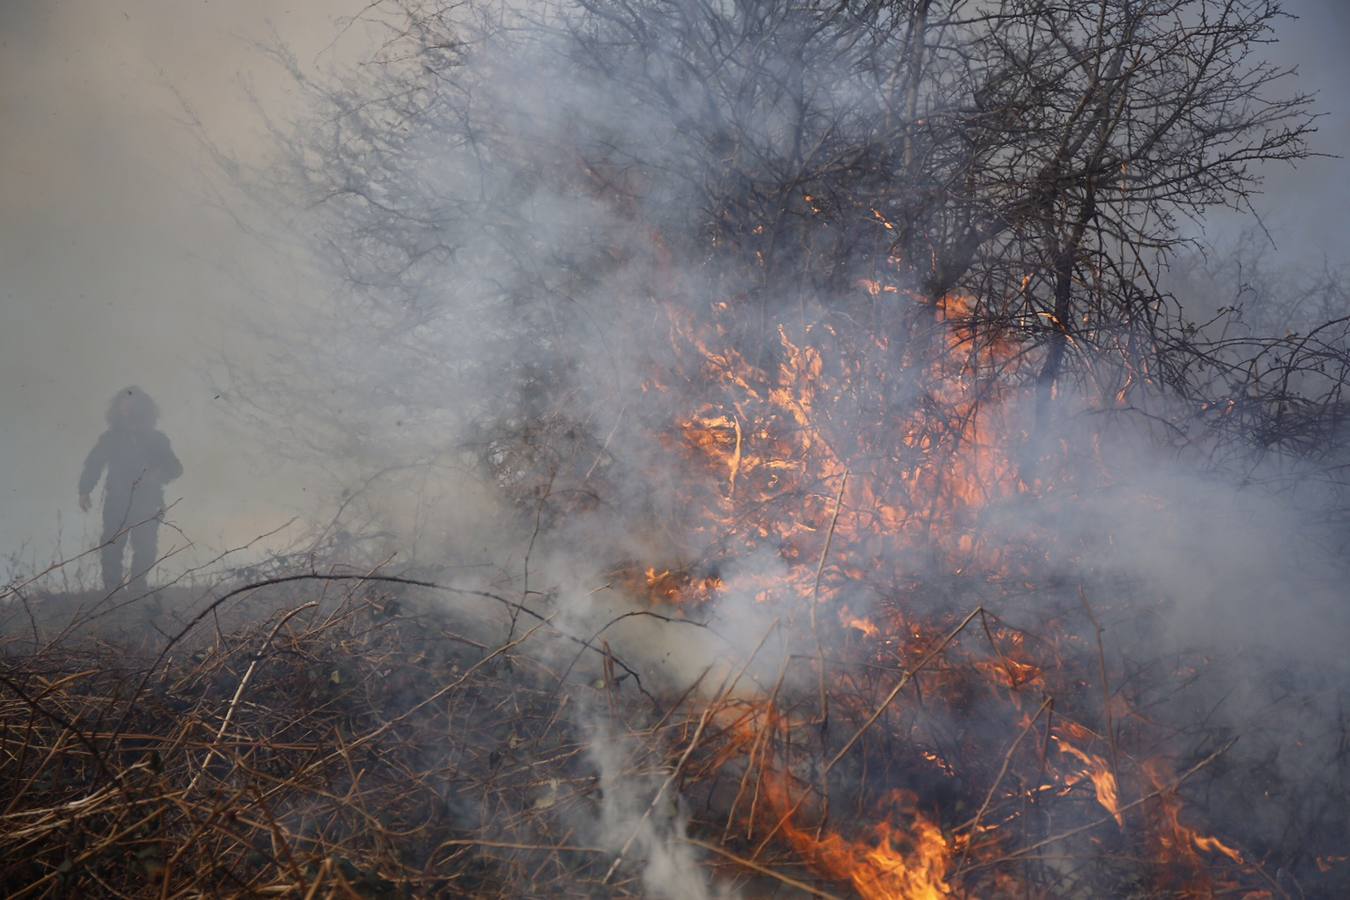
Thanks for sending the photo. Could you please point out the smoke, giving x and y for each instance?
(497, 316)
(448, 315)
(117, 271)
(121, 264)
(650, 831)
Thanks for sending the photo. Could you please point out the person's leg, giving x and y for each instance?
(144, 551)
(114, 547)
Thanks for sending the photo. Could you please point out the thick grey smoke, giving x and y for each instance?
(496, 289)
(119, 269)
(372, 356)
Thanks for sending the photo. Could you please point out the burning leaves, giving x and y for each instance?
(1098, 771)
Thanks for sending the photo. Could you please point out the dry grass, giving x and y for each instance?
(337, 749)
(359, 739)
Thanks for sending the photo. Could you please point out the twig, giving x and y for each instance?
(815, 602)
(1106, 685)
(675, 773)
(900, 686)
(761, 869)
(1053, 839)
(998, 779)
(890, 698)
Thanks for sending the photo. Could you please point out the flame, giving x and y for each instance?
(668, 585)
(909, 861)
(1101, 776)
(1178, 845)
(862, 624)
(857, 458)
(788, 431)
(876, 288)
(866, 626)
(903, 863)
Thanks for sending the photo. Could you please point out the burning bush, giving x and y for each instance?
(861, 464)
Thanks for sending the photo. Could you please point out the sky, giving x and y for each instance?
(117, 268)
(1306, 207)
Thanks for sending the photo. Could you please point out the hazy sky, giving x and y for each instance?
(114, 270)
(1307, 208)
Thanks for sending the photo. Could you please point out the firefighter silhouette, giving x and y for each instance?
(139, 461)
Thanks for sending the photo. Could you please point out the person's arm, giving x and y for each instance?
(166, 464)
(93, 469)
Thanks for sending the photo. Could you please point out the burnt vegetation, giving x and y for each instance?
(822, 358)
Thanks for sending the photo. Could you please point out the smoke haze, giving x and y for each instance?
(117, 268)
(120, 268)
(122, 264)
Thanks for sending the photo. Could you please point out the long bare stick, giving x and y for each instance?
(890, 698)
(900, 686)
(815, 601)
(1106, 685)
(762, 870)
(820, 649)
(1003, 770)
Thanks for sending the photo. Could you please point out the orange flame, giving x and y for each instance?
(1178, 844)
(849, 456)
(1101, 776)
(909, 862)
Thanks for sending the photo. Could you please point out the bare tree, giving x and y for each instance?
(504, 193)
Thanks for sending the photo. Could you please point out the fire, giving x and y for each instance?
(785, 433)
(859, 458)
(899, 862)
(673, 586)
(1178, 843)
(1099, 773)
(866, 626)
(862, 624)
(906, 863)
(876, 288)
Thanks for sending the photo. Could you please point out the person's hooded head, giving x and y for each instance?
(132, 408)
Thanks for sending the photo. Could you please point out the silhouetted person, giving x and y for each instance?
(139, 462)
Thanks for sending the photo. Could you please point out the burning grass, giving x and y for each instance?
(863, 429)
(928, 707)
(364, 742)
